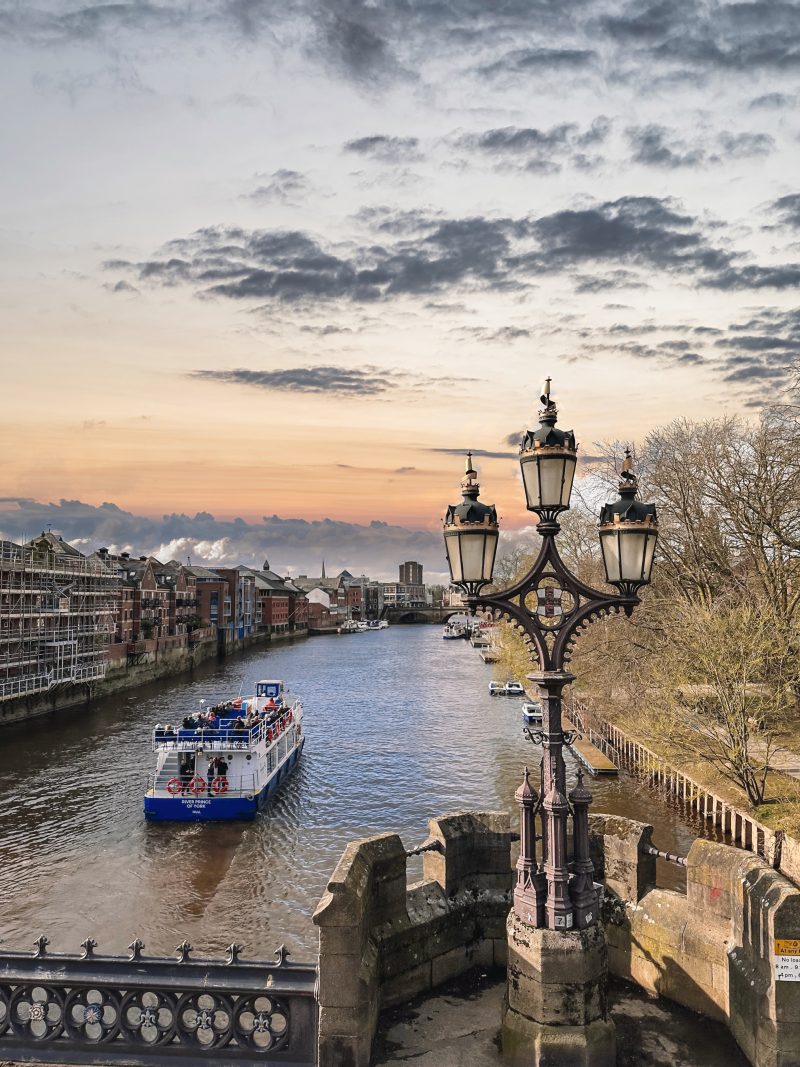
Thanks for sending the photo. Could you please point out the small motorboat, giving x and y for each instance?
(514, 689)
(496, 689)
(532, 713)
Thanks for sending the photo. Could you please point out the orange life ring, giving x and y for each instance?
(174, 786)
(269, 734)
(197, 785)
(220, 784)
(289, 716)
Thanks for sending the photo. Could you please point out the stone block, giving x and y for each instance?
(530, 1044)
(344, 981)
(476, 851)
(406, 986)
(617, 843)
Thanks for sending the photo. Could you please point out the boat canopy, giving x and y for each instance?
(269, 688)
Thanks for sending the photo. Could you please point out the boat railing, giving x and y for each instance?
(228, 737)
(201, 787)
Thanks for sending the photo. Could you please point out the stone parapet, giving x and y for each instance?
(711, 948)
(382, 942)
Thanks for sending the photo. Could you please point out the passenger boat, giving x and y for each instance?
(229, 769)
(453, 631)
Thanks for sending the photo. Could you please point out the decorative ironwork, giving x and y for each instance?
(551, 605)
(57, 1008)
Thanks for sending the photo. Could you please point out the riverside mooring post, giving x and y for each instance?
(555, 1013)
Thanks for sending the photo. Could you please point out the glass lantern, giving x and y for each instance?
(547, 458)
(628, 535)
(470, 536)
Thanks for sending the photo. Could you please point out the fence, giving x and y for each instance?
(776, 847)
(144, 1010)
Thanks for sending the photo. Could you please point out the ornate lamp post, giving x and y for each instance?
(551, 605)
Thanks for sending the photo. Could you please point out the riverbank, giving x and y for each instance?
(148, 661)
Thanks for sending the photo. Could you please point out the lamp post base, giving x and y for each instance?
(555, 1012)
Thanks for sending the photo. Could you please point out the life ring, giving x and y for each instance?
(220, 784)
(197, 785)
(269, 734)
(174, 786)
(289, 717)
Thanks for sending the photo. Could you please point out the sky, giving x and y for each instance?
(291, 260)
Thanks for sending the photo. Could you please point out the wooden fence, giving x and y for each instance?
(776, 847)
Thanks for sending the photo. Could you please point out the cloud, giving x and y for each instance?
(537, 150)
(337, 381)
(534, 60)
(283, 186)
(772, 102)
(329, 380)
(658, 146)
(787, 208)
(121, 287)
(422, 254)
(478, 453)
(385, 149)
(373, 548)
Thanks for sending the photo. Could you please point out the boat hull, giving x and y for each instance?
(205, 809)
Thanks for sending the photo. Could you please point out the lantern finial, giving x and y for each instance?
(548, 404)
(628, 482)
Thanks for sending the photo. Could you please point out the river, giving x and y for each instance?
(399, 728)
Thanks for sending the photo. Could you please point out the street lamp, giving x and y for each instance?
(551, 605)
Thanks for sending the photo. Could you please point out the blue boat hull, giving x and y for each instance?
(203, 809)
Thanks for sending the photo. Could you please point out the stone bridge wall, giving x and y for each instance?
(712, 948)
(382, 942)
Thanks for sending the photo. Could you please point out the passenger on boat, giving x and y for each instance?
(185, 776)
(168, 731)
(270, 704)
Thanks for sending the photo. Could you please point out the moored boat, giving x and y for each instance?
(226, 764)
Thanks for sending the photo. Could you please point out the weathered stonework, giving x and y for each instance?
(712, 948)
(383, 942)
(556, 1010)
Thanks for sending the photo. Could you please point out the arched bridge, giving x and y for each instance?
(412, 614)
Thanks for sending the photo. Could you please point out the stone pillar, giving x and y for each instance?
(556, 1011)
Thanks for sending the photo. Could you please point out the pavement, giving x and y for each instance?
(459, 1026)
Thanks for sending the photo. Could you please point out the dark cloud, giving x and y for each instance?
(478, 453)
(787, 208)
(533, 60)
(337, 381)
(385, 149)
(282, 186)
(658, 146)
(773, 102)
(538, 150)
(622, 242)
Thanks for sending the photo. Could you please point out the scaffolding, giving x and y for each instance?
(57, 614)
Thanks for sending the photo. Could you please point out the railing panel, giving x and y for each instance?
(141, 1010)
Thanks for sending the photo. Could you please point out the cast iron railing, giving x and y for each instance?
(147, 1010)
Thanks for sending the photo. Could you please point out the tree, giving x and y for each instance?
(718, 690)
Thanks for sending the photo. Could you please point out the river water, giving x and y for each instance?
(399, 728)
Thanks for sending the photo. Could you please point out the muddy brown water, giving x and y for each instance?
(400, 727)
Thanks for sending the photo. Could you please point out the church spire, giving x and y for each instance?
(323, 570)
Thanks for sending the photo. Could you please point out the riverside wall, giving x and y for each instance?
(383, 942)
(153, 660)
